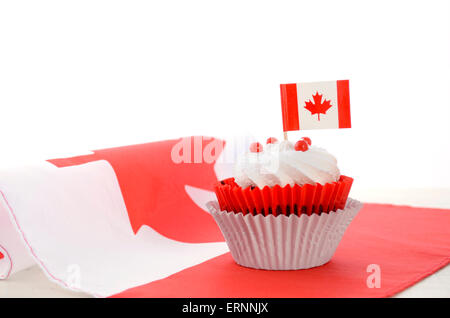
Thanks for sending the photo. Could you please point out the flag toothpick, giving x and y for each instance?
(317, 105)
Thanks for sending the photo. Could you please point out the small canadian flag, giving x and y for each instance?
(317, 105)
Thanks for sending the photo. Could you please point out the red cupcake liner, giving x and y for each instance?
(286, 200)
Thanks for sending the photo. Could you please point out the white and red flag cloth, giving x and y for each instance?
(133, 222)
(115, 218)
(315, 105)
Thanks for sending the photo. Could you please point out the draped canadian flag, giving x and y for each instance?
(133, 221)
(316, 105)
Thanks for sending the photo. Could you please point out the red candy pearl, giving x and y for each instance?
(307, 139)
(256, 147)
(301, 145)
(271, 140)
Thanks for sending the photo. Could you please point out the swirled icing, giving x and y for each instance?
(280, 164)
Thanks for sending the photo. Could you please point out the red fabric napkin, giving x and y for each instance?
(406, 243)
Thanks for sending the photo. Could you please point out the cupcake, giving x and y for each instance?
(286, 207)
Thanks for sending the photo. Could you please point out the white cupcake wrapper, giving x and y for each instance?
(284, 242)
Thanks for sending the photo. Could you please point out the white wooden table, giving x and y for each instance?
(33, 283)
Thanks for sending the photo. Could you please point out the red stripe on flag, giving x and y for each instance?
(167, 207)
(343, 96)
(289, 106)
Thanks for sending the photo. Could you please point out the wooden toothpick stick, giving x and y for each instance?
(285, 135)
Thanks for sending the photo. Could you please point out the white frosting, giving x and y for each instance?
(280, 164)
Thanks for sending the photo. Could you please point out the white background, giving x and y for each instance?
(78, 75)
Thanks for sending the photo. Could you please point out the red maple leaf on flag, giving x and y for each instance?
(318, 107)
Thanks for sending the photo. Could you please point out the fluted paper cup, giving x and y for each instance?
(286, 200)
(284, 242)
